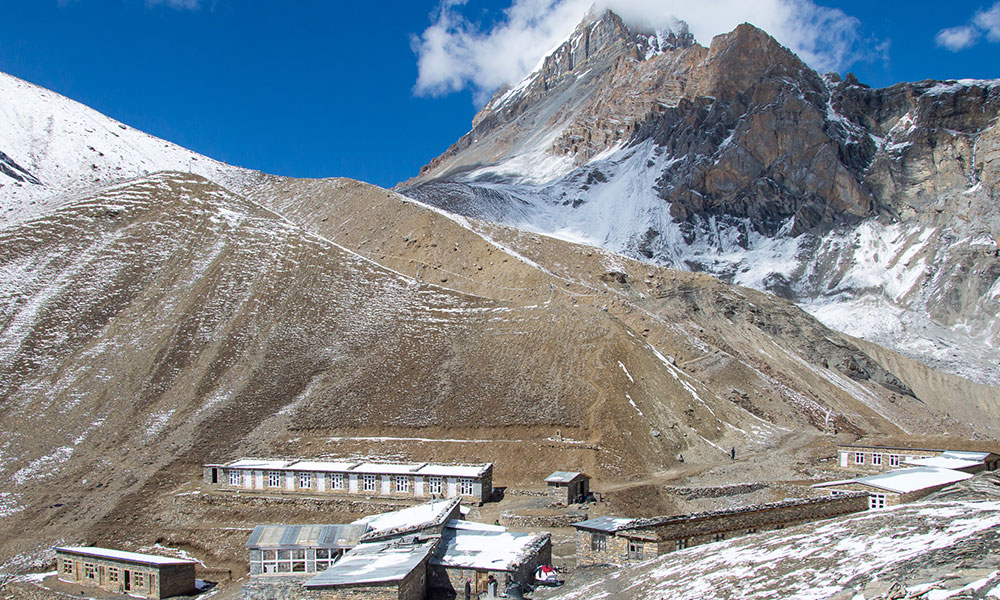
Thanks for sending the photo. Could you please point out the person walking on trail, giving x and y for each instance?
(732, 453)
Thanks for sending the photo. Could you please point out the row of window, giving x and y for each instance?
(136, 580)
(292, 561)
(876, 459)
(401, 484)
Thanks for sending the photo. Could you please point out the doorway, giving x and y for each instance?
(128, 581)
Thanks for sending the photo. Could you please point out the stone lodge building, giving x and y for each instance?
(475, 551)
(620, 541)
(130, 573)
(896, 487)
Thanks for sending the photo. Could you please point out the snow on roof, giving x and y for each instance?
(563, 476)
(609, 524)
(470, 548)
(149, 559)
(321, 465)
(473, 526)
(966, 455)
(374, 563)
(258, 463)
(428, 514)
(944, 462)
(454, 470)
(902, 481)
(344, 465)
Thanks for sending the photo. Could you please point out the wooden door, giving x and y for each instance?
(481, 579)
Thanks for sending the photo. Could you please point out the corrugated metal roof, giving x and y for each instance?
(306, 536)
(564, 476)
(135, 557)
(334, 465)
(902, 481)
(607, 524)
(382, 562)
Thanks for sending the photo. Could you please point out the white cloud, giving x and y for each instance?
(957, 38)
(965, 36)
(454, 53)
(989, 21)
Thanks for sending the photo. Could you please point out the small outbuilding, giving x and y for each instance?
(131, 573)
(567, 487)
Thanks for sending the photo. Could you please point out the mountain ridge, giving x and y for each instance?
(740, 161)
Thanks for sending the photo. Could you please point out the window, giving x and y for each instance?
(89, 571)
(138, 580)
(269, 562)
(465, 487)
(752, 530)
(368, 483)
(893, 460)
(336, 481)
(284, 561)
(434, 485)
(680, 544)
(325, 558)
(718, 537)
(305, 480)
(274, 479)
(876, 501)
(877, 460)
(67, 566)
(635, 550)
(234, 477)
(401, 484)
(298, 561)
(598, 542)
(859, 458)
(112, 574)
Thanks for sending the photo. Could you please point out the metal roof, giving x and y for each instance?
(467, 546)
(334, 465)
(564, 476)
(306, 536)
(382, 562)
(902, 481)
(606, 524)
(135, 557)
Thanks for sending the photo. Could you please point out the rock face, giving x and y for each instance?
(741, 161)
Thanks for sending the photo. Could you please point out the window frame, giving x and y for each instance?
(274, 479)
(466, 486)
(337, 481)
(90, 571)
(877, 459)
(435, 484)
(68, 566)
(598, 541)
(369, 482)
(877, 501)
(636, 550)
(235, 477)
(402, 484)
(305, 480)
(859, 458)
(894, 460)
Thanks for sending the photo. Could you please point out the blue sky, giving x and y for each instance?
(331, 88)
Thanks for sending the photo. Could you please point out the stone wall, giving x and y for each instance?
(566, 519)
(284, 587)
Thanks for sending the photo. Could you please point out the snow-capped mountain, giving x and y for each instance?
(53, 148)
(874, 209)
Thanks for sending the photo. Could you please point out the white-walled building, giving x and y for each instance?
(356, 478)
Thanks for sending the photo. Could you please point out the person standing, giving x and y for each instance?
(491, 586)
(468, 589)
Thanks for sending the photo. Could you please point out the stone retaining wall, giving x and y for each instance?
(509, 519)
